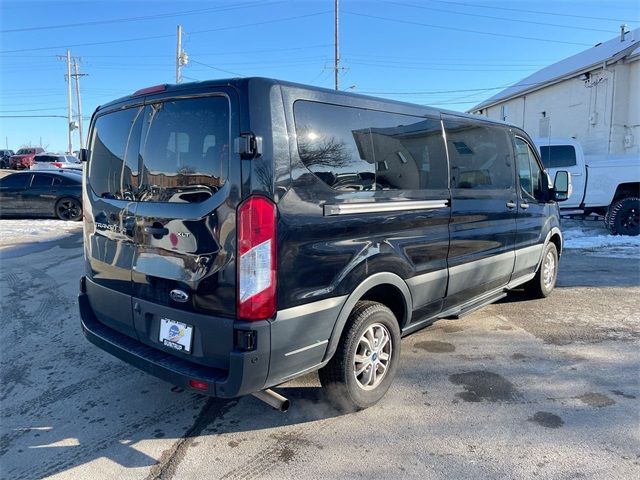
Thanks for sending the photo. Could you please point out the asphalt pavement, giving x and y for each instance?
(519, 389)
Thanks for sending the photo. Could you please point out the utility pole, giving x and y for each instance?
(181, 56)
(70, 127)
(337, 44)
(69, 107)
(77, 76)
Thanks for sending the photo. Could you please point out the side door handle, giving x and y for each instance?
(511, 205)
(524, 205)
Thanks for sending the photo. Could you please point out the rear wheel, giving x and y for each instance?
(69, 209)
(544, 282)
(623, 217)
(366, 360)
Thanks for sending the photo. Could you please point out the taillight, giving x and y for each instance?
(58, 164)
(256, 258)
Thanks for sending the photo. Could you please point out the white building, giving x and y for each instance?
(593, 96)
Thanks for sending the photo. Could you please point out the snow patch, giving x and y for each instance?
(18, 232)
(601, 244)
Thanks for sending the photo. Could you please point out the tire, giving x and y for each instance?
(343, 388)
(68, 209)
(623, 217)
(544, 282)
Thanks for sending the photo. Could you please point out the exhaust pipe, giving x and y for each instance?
(274, 399)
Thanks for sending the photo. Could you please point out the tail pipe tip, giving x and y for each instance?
(273, 399)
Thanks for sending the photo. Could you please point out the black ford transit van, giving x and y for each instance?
(240, 233)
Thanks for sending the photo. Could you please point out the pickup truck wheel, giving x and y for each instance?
(623, 217)
(366, 361)
(544, 282)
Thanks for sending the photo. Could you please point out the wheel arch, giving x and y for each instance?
(384, 287)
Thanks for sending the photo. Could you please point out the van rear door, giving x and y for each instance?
(183, 264)
(109, 214)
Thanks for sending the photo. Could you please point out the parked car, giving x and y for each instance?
(40, 194)
(608, 185)
(49, 161)
(5, 156)
(24, 158)
(326, 226)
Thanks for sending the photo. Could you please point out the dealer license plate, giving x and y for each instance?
(176, 335)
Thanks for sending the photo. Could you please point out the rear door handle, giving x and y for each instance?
(156, 231)
(511, 205)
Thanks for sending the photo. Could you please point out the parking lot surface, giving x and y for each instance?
(520, 389)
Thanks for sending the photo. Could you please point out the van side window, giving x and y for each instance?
(113, 165)
(358, 149)
(480, 155)
(528, 170)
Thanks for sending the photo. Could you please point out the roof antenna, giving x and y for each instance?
(623, 27)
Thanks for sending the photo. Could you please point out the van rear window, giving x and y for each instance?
(173, 151)
(556, 156)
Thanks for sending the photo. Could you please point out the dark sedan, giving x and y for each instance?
(41, 194)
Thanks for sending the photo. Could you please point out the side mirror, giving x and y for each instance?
(562, 187)
(83, 155)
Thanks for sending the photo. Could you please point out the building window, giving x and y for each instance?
(504, 112)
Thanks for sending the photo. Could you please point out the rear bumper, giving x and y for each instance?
(247, 370)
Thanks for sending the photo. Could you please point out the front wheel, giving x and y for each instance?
(623, 217)
(544, 282)
(69, 209)
(366, 360)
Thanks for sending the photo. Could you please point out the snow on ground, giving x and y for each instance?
(593, 238)
(20, 232)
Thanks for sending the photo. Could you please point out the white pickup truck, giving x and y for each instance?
(607, 185)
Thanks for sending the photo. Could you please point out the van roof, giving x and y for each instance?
(242, 83)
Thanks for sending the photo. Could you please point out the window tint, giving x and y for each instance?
(185, 150)
(113, 164)
(15, 181)
(46, 158)
(356, 149)
(480, 155)
(40, 181)
(529, 172)
(71, 181)
(555, 156)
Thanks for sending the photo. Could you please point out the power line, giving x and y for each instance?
(34, 110)
(154, 37)
(433, 92)
(137, 19)
(546, 24)
(449, 28)
(535, 11)
(226, 52)
(436, 69)
(216, 68)
(33, 116)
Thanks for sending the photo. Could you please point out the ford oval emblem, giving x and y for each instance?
(178, 296)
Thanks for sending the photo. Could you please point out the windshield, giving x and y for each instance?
(25, 151)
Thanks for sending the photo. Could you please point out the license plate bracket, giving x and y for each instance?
(176, 335)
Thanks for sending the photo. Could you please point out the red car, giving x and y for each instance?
(24, 158)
